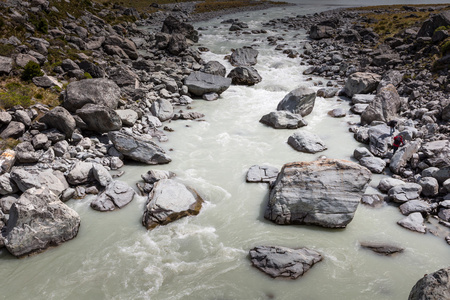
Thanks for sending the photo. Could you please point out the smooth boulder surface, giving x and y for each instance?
(35, 178)
(200, 83)
(37, 221)
(403, 155)
(434, 286)
(139, 150)
(244, 75)
(305, 141)
(284, 262)
(95, 91)
(299, 101)
(100, 118)
(324, 192)
(413, 222)
(244, 57)
(385, 106)
(61, 119)
(169, 201)
(283, 120)
(162, 109)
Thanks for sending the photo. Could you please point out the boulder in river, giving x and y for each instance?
(116, 194)
(325, 192)
(305, 141)
(169, 201)
(299, 101)
(200, 83)
(434, 286)
(283, 119)
(413, 222)
(382, 248)
(37, 221)
(244, 57)
(384, 107)
(284, 262)
(262, 174)
(244, 75)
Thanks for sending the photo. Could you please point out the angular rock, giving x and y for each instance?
(61, 119)
(413, 206)
(284, 262)
(283, 120)
(7, 160)
(405, 192)
(162, 109)
(102, 175)
(215, 68)
(95, 91)
(324, 192)
(374, 164)
(361, 83)
(37, 221)
(13, 130)
(127, 116)
(262, 174)
(117, 193)
(138, 150)
(403, 155)
(7, 185)
(80, 173)
(169, 201)
(200, 83)
(100, 118)
(299, 101)
(244, 75)
(384, 249)
(413, 222)
(6, 65)
(173, 25)
(153, 176)
(305, 141)
(384, 107)
(362, 98)
(387, 183)
(318, 32)
(244, 57)
(430, 186)
(26, 179)
(374, 200)
(434, 286)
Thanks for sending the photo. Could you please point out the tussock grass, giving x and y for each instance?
(15, 92)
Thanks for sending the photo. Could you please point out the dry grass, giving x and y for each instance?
(217, 5)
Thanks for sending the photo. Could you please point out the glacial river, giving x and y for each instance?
(206, 256)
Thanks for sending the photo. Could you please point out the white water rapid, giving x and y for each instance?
(206, 256)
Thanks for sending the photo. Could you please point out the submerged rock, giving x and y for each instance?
(283, 120)
(262, 174)
(384, 249)
(284, 262)
(324, 192)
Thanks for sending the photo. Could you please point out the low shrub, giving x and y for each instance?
(31, 69)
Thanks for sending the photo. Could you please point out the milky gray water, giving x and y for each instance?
(205, 257)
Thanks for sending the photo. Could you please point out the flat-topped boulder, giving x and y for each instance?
(39, 220)
(361, 83)
(200, 83)
(305, 141)
(325, 192)
(169, 201)
(283, 119)
(277, 261)
(117, 194)
(95, 91)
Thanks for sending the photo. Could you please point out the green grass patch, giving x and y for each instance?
(15, 94)
(8, 143)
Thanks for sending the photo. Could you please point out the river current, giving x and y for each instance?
(206, 256)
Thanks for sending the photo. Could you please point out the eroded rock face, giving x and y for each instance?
(169, 201)
(361, 83)
(299, 101)
(100, 118)
(116, 194)
(324, 192)
(434, 286)
(244, 57)
(37, 221)
(284, 262)
(384, 107)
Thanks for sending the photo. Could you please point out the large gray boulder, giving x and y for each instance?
(162, 109)
(284, 262)
(215, 68)
(413, 222)
(139, 150)
(430, 25)
(403, 155)
(299, 101)
(324, 192)
(199, 83)
(318, 32)
(169, 201)
(244, 75)
(153, 176)
(95, 91)
(37, 221)
(434, 286)
(173, 25)
(283, 119)
(13, 130)
(177, 44)
(100, 118)
(384, 107)
(374, 164)
(26, 179)
(61, 119)
(405, 192)
(361, 83)
(116, 194)
(379, 139)
(6, 65)
(305, 141)
(244, 57)
(81, 173)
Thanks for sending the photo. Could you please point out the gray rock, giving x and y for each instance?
(361, 83)
(153, 176)
(169, 201)
(444, 214)
(69, 65)
(413, 206)
(26, 179)
(60, 148)
(101, 174)
(210, 96)
(380, 248)
(117, 193)
(405, 192)
(324, 192)
(262, 174)
(374, 200)
(162, 109)
(46, 81)
(68, 194)
(173, 25)
(284, 262)
(95, 91)
(327, 92)
(337, 113)
(413, 222)
(7, 185)
(283, 120)
(244, 57)
(123, 76)
(6, 65)
(374, 164)
(60, 119)
(40, 141)
(37, 221)
(379, 139)
(403, 155)
(434, 286)
(430, 25)
(430, 186)
(362, 98)
(100, 118)
(94, 70)
(318, 32)
(23, 59)
(359, 108)
(384, 107)
(80, 173)
(177, 44)
(299, 101)
(128, 116)
(200, 83)
(244, 75)
(5, 117)
(388, 183)
(25, 153)
(138, 150)
(361, 152)
(305, 141)
(6, 203)
(13, 130)
(215, 68)
(22, 117)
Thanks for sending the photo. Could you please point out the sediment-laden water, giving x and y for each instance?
(205, 257)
